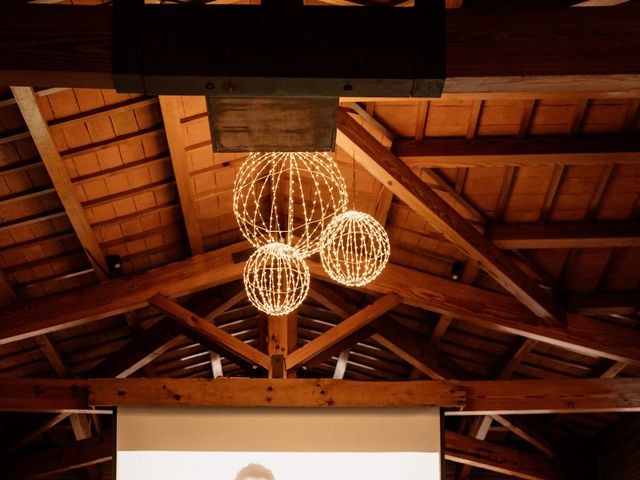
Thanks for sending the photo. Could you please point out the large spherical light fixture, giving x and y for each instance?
(276, 278)
(288, 197)
(354, 249)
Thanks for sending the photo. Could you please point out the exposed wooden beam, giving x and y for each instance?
(78, 307)
(501, 312)
(543, 58)
(565, 235)
(483, 397)
(53, 354)
(519, 151)
(282, 339)
(226, 343)
(421, 355)
(399, 178)
(26, 437)
(34, 119)
(341, 331)
(179, 161)
(605, 303)
(59, 460)
(526, 432)
(482, 454)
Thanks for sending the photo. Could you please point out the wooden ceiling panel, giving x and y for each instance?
(500, 117)
(399, 117)
(584, 269)
(448, 118)
(552, 117)
(605, 116)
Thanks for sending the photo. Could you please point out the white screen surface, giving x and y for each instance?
(295, 444)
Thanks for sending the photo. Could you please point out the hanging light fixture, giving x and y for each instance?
(276, 278)
(312, 190)
(354, 249)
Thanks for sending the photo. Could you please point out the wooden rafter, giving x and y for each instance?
(399, 178)
(478, 453)
(343, 330)
(519, 151)
(173, 129)
(28, 104)
(223, 341)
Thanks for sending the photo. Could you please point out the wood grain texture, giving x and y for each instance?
(274, 392)
(77, 307)
(400, 179)
(173, 129)
(223, 341)
(343, 330)
(482, 454)
(524, 151)
(34, 119)
(501, 312)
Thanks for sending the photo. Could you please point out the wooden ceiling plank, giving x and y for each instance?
(7, 293)
(421, 122)
(27, 437)
(341, 331)
(520, 151)
(74, 308)
(474, 118)
(173, 129)
(604, 303)
(34, 119)
(108, 110)
(531, 236)
(489, 456)
(80, 454)
(398, 177)
(225, 342)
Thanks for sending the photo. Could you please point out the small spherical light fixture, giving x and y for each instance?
(354, 249)
(276, 278)
(288, 197)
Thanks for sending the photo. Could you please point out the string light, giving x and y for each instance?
(354, 248)
(313, 192)
(276, 278)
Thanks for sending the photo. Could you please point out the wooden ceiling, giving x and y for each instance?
(512, 204)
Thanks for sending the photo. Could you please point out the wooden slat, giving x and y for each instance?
(565, 235)
(519, 152)
(341, 331)
(74, 308)
(59, 175)
(501, 312)
(399, 178)
(478, 453)
(59, 460)
(173, 129)
(225, 342)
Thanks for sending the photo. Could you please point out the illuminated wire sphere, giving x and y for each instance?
(354, 249)
(276, 278)
(288, 197)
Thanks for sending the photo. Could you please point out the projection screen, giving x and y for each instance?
(290, 444)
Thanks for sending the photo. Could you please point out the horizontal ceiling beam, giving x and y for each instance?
(483, 397)
(516, 236)
(561, 50)
(482, 454)
(520, 152)
(78, 307)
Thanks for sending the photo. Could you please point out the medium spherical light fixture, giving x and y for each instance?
(288, 197)
(354, 248)
(276, 278)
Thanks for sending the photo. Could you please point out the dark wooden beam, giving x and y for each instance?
(79, 307)
(605, 303)
(497, 458)
(565, 235)
(519, 151)
(562, 50)
(59, 460)
(407, 186)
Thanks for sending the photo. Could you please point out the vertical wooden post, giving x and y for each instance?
(282, 339)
